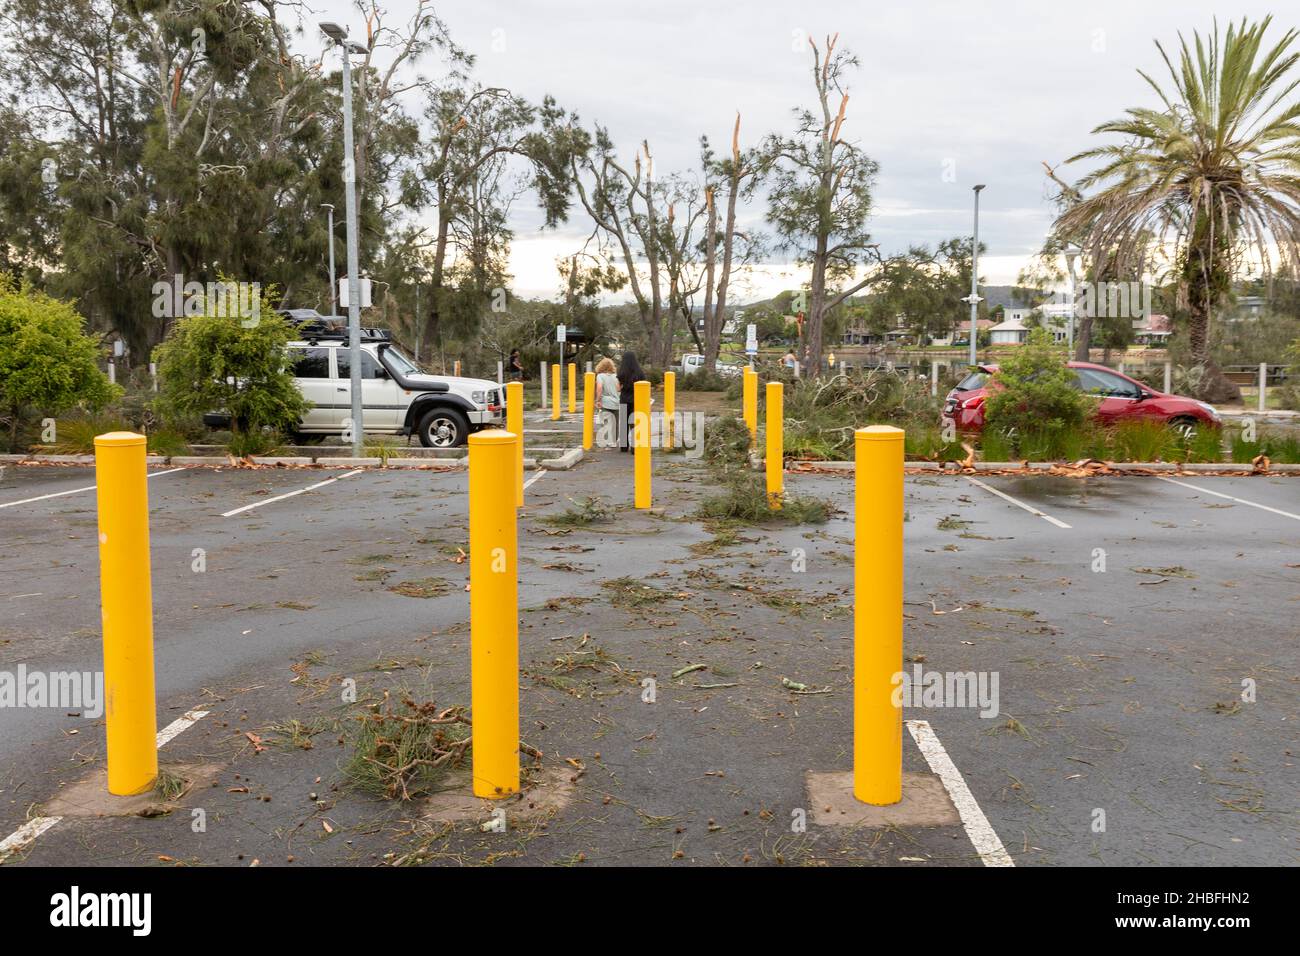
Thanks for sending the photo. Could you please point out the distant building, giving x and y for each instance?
(1153, 329)
(1008, 332)
(961, 333)
(1246, 307)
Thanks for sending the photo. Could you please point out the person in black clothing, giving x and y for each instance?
(629, 373)
(516, 366)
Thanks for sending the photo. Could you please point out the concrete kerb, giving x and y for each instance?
(564, 462)
(569, 458)
(1164, 467)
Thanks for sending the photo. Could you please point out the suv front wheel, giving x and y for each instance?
(443, 428)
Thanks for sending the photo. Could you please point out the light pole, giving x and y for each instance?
(334, 289)
(419, 321)
(974, 298)
(1071, 260)
(339, 35)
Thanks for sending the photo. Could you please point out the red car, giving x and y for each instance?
(1122, 399)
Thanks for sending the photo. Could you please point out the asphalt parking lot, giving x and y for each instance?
(1120, 689)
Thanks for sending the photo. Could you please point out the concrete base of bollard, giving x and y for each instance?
(543, 795)
(925, 803)
(89, 796)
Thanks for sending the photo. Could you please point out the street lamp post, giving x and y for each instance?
(339, 35)
(1071, 260)
(974, 299)
(334, 288)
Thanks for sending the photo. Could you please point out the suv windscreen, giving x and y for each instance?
(400, 362)
(310, 363)
(369, 367)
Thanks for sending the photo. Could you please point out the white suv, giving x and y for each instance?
(693, 362)
(396, 397)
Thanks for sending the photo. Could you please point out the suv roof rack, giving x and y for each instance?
(341, 335)
(330, 329)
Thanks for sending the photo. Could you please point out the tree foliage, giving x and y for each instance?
(819, 198)
(48, 363)
(924, 288)
(1034, 391)
(215, 361)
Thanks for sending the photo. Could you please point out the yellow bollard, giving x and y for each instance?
(588, 409)
(641, 443)
(670, 407)
(775, 444)
(573, 387)
(555, 392)
(750, 406)
(515, 425)
(878, 615)
(126, 602)
(493, 614)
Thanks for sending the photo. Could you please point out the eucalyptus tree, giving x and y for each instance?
(739, 175)
(819, 195)
(485, 145)
(629, 207)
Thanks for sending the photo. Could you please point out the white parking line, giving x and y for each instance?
(982, 835)
(1019, 504)
(529, 482)
(1240, 501)
(300, 491)
(26, 834)
(185, 722)
(77, 491)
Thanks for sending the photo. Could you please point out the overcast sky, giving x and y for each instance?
(989, 90)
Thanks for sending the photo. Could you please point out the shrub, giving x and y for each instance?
(48, 364)
(76, 435)
(212, 362)
(168, 441)
(1033, 399)
(1281, 449)
(1288, 394)
(1127, 441)
(383, 447)
(703, 381)
(927, 442)
(261, 441)
(1145, 441)
(1206, 445)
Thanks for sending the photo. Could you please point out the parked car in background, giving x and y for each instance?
(693, 361)
(1121, 399)
(396, 397)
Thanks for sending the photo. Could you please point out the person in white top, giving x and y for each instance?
(607, 402)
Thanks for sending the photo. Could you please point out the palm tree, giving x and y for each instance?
(1210, 183)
